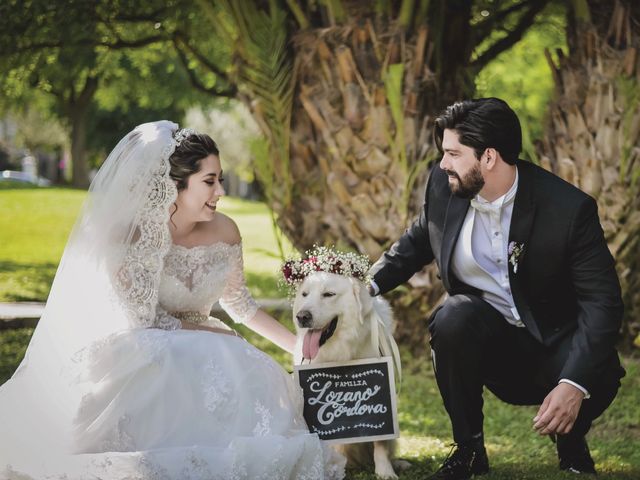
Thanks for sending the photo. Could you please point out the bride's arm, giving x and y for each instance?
(242, 308)
(270, 328)
(240, 305)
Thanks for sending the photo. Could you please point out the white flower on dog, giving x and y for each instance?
(325, 259)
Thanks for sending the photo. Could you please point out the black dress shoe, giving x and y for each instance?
(463, 462)
(574, 456)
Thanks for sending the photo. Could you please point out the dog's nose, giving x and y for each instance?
(304, 318)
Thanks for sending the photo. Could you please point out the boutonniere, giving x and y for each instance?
(516, 250)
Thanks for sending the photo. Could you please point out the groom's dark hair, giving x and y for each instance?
(482, 123)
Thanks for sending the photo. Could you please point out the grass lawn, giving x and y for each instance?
(34, 227)
(33, 230)
(35, 224)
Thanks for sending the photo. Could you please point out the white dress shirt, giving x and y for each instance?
(480, 258)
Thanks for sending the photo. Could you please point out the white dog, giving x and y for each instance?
(337, 320)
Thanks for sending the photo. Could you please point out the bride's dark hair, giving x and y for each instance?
(186, 158)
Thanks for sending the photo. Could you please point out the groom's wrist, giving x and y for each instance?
(579, 387)
(373, 288)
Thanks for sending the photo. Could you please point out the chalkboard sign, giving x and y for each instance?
(350, 402)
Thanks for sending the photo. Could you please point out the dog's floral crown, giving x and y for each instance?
(325, 259)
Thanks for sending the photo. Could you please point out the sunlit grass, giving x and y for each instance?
(36, 222)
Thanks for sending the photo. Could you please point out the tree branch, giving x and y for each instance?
(299, 15)
(147, 17)
(118, 44)
(179, 40)
(197, 84)
(482, 30)
(512, 37)
(89, 89)
(56, 93)
(141, 42)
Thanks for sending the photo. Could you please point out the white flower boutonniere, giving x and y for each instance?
(516, 249)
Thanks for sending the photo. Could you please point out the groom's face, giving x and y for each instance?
(461, 165)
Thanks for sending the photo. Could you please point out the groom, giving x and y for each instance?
(534, 305)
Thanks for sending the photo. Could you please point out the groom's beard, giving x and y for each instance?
(469, 185)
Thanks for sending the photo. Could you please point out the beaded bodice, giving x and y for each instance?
(195, 278)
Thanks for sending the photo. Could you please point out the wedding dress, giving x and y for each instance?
(150, 400)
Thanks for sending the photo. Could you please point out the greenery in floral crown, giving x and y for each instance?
(325, 259)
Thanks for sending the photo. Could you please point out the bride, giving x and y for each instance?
(126, 376)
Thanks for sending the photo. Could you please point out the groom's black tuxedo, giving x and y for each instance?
(565, 284)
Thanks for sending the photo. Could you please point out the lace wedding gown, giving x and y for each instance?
(166, 403)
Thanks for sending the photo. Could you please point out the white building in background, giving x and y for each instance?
(32, 162)
(29, 165)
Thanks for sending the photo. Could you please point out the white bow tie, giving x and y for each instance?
(485, 207)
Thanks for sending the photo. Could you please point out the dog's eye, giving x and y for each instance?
(329, 294)
(304, 294)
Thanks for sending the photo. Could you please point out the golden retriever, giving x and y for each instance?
(337, 320)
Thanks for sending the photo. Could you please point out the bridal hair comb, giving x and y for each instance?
(183, 133)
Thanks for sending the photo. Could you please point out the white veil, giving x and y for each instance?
(107, 281)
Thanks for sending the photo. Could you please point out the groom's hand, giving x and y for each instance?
(559, 410)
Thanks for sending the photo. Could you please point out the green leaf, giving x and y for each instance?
(393, 89)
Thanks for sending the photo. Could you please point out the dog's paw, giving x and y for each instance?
(401, 465)
(386, 472)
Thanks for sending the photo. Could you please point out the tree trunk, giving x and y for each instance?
(77, 109)
(593, 131)
(361, 146)
(365, 98)
(80, 171)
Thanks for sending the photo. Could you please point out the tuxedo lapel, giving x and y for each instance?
(454, 218)
(524, 210)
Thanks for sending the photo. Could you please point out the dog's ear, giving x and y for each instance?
(362, 297)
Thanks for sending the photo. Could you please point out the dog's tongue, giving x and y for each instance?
(311, 344)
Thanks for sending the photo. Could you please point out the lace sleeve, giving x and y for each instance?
(139, 301)
(236, 299)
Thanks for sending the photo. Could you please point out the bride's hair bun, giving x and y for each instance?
(191, 148)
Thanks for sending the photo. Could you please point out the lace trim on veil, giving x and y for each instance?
(138, 278)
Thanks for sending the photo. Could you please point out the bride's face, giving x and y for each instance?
(197, 202)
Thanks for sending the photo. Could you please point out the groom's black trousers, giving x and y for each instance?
(472, 346)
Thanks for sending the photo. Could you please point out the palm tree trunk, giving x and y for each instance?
(361, 146)
(593, 131)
